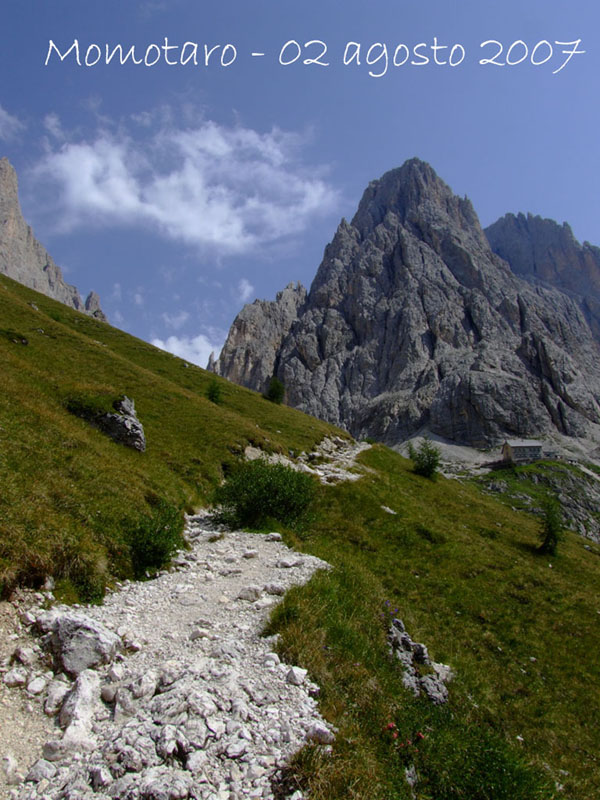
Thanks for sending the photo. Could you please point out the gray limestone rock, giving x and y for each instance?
(77, 712)
(57, 691)
(413, 655)
(256, 337)
(124, 426)
(548, 254)
(41, 770)
(77, 641)
(413, 321)
(15, 677)
(320, 733)
(25, 260)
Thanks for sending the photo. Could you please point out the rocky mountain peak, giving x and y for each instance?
(24, 259)
(418, 198)
(413, 321)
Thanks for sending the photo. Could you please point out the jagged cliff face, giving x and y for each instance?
(256, 336)
(546, 253)
(412, 320)
(24, 259)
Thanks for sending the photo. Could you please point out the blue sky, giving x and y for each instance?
(180, 191)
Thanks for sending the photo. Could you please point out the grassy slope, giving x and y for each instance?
(463, 573)
(459, 566)
(67, 488)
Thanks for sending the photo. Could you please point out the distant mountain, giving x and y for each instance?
(413, 321)
(543, 252)
(25, 260)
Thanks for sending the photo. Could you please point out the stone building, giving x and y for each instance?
(521, 450)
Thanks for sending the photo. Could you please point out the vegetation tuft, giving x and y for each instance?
(425, 458)
(551, 527)
(275, 391)
(154, 537)
(214, 392)
(257, 492)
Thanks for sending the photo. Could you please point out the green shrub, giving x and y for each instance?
(551, 528)
(276, 391)
(154, 537)
(256, 492)
(425, 458)
(214, 392)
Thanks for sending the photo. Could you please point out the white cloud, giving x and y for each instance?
(117, 294)
(229, 189)
(177, 320)
(245, 290)
(195, 349)
(53, 125)
(9, 126)
(138, 299)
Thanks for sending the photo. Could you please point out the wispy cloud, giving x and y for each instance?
(227, 189)
(10, 126)
(195, 349)
(245, 290)
(177, 320)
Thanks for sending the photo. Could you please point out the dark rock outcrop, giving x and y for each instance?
(413, 321)
(25, 260)
(543, 252)
(123, 427)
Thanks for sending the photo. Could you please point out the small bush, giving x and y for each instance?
(153, 538)
(551, 531)
(276, 391)
(214, 392)
(425, 458)
(256, 492)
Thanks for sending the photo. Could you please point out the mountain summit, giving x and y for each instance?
(25, 260)
(413, 321)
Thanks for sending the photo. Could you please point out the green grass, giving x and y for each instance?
(464, 574)
(458, 564)
(67, 491)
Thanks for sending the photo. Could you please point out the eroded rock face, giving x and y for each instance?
(412, 320)
(544, 252)
(250, 353)
(25, 260)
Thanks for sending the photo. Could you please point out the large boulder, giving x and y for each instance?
(76, 641)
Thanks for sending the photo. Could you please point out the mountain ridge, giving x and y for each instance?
(413, 321)
(27, 261)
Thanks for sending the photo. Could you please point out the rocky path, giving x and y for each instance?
(168, 690)
(193, 702)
